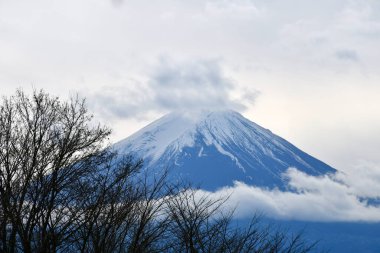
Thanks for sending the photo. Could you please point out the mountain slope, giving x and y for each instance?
(213, 149)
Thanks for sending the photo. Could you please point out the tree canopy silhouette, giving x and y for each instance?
(63, 189)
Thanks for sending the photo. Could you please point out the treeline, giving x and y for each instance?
(62, 189)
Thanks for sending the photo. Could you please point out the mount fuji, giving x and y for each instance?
(214, 149)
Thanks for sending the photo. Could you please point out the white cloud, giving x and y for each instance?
(233, 9)
(363, 180)
(339, 197)
(172, 86)
(360, 17)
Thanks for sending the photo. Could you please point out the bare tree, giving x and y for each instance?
(62, 189)
(191, 220)
(122, 210)
(199, 224)
(45, 147)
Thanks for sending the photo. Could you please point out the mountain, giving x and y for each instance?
(214, 149)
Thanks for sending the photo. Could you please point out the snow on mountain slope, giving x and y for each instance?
(213, 149)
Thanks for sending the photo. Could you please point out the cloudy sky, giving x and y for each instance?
(308, 70)
(339, 197)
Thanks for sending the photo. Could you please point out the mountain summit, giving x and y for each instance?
(214, 149)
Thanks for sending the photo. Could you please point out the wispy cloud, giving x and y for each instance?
(117, 2)
(233, 9)
(171, 86)
(339, 197)
(197, 85)
(347, 55)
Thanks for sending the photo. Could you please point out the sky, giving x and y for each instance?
(307, 70)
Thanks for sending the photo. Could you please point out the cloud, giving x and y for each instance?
(345, 32)
(338, 197)
(347, 55)
(232, 9)
(363, 180)
(171, 86)
(361, 18)
(200, 84)
(124, 101)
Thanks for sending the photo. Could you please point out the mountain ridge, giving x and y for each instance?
(216, 148)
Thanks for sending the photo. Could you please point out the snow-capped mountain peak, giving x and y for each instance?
(220, 144)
